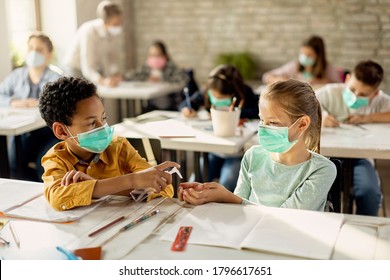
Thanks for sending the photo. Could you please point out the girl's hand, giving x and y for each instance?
(188, 113)
(197, 193)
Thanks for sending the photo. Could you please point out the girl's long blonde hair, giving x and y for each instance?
(298, 99)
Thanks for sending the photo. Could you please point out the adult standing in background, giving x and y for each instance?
(21, 89)
(97, 51)
(312, 66)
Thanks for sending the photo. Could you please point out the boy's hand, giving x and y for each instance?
(154, 177)
(330, 121)
(356, 119)
(74, 176)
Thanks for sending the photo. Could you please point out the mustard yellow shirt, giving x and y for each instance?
(118, 159)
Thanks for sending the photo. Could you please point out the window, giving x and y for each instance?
(22, 19)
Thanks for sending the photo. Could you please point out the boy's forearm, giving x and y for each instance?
(379, 117)
(112, 185)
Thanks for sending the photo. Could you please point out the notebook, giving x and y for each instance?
(306, 234)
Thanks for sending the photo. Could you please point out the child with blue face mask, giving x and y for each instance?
(90, 163)
(21, 90)
(224, 84)
(312, 66)
(357, 101)
(284, 170)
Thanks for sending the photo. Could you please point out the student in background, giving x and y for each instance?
(224, 83)
(312, 66)
(159, 67)
(21, 89)
(285, 170)
(359, 100)
(90, 163)
(96, 53)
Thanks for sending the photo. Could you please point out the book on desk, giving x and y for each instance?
(307, 234)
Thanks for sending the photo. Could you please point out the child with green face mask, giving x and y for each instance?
(224, 85)
(284, 170)
(90, 162)
(358, 101)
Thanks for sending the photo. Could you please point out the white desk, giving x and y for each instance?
(135, 92)
(204, 141)
(14, 122)
(39, 239)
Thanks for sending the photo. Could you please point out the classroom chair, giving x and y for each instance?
(148, 148)
(383, 203)
(333, 203)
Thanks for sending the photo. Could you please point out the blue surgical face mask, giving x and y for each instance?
(352, 101)
(35, 59)
(95, 140)
(217, 102)
(275, 139)
(304, 60)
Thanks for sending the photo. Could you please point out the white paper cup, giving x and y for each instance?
(225, 122)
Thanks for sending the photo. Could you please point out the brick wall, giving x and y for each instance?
(271, 30)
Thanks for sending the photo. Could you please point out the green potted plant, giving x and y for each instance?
(242, 60)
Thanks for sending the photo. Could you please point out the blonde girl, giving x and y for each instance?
(285, 169)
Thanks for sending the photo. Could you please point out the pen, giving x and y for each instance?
(140, 220)
(67, 253)
(14, 234)
(4, 241)
(188, 99)
(106, 226)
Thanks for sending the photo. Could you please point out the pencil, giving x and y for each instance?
(130, 225)
(106, 226)
(14, 234)
(139, 220)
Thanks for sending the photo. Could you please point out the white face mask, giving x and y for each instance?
(115, 30)
(35, 59)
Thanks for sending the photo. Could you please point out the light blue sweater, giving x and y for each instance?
(263, 181)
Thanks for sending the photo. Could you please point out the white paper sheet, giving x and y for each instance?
(125, 242)
(382, 251)
(307, 234)
(14, 193)
(355, 242)
(169, 129)
(39, 209)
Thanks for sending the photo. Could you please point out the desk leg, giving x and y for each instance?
(183, 164)
(205, 167)
(175, 179)
(347, 185)
(4, 164)
(21, 167)
(197, 167)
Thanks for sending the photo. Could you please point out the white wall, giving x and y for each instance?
(60, 23)
(5, 56)
(86, 10)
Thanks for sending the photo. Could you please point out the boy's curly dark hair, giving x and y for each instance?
(59, 99)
